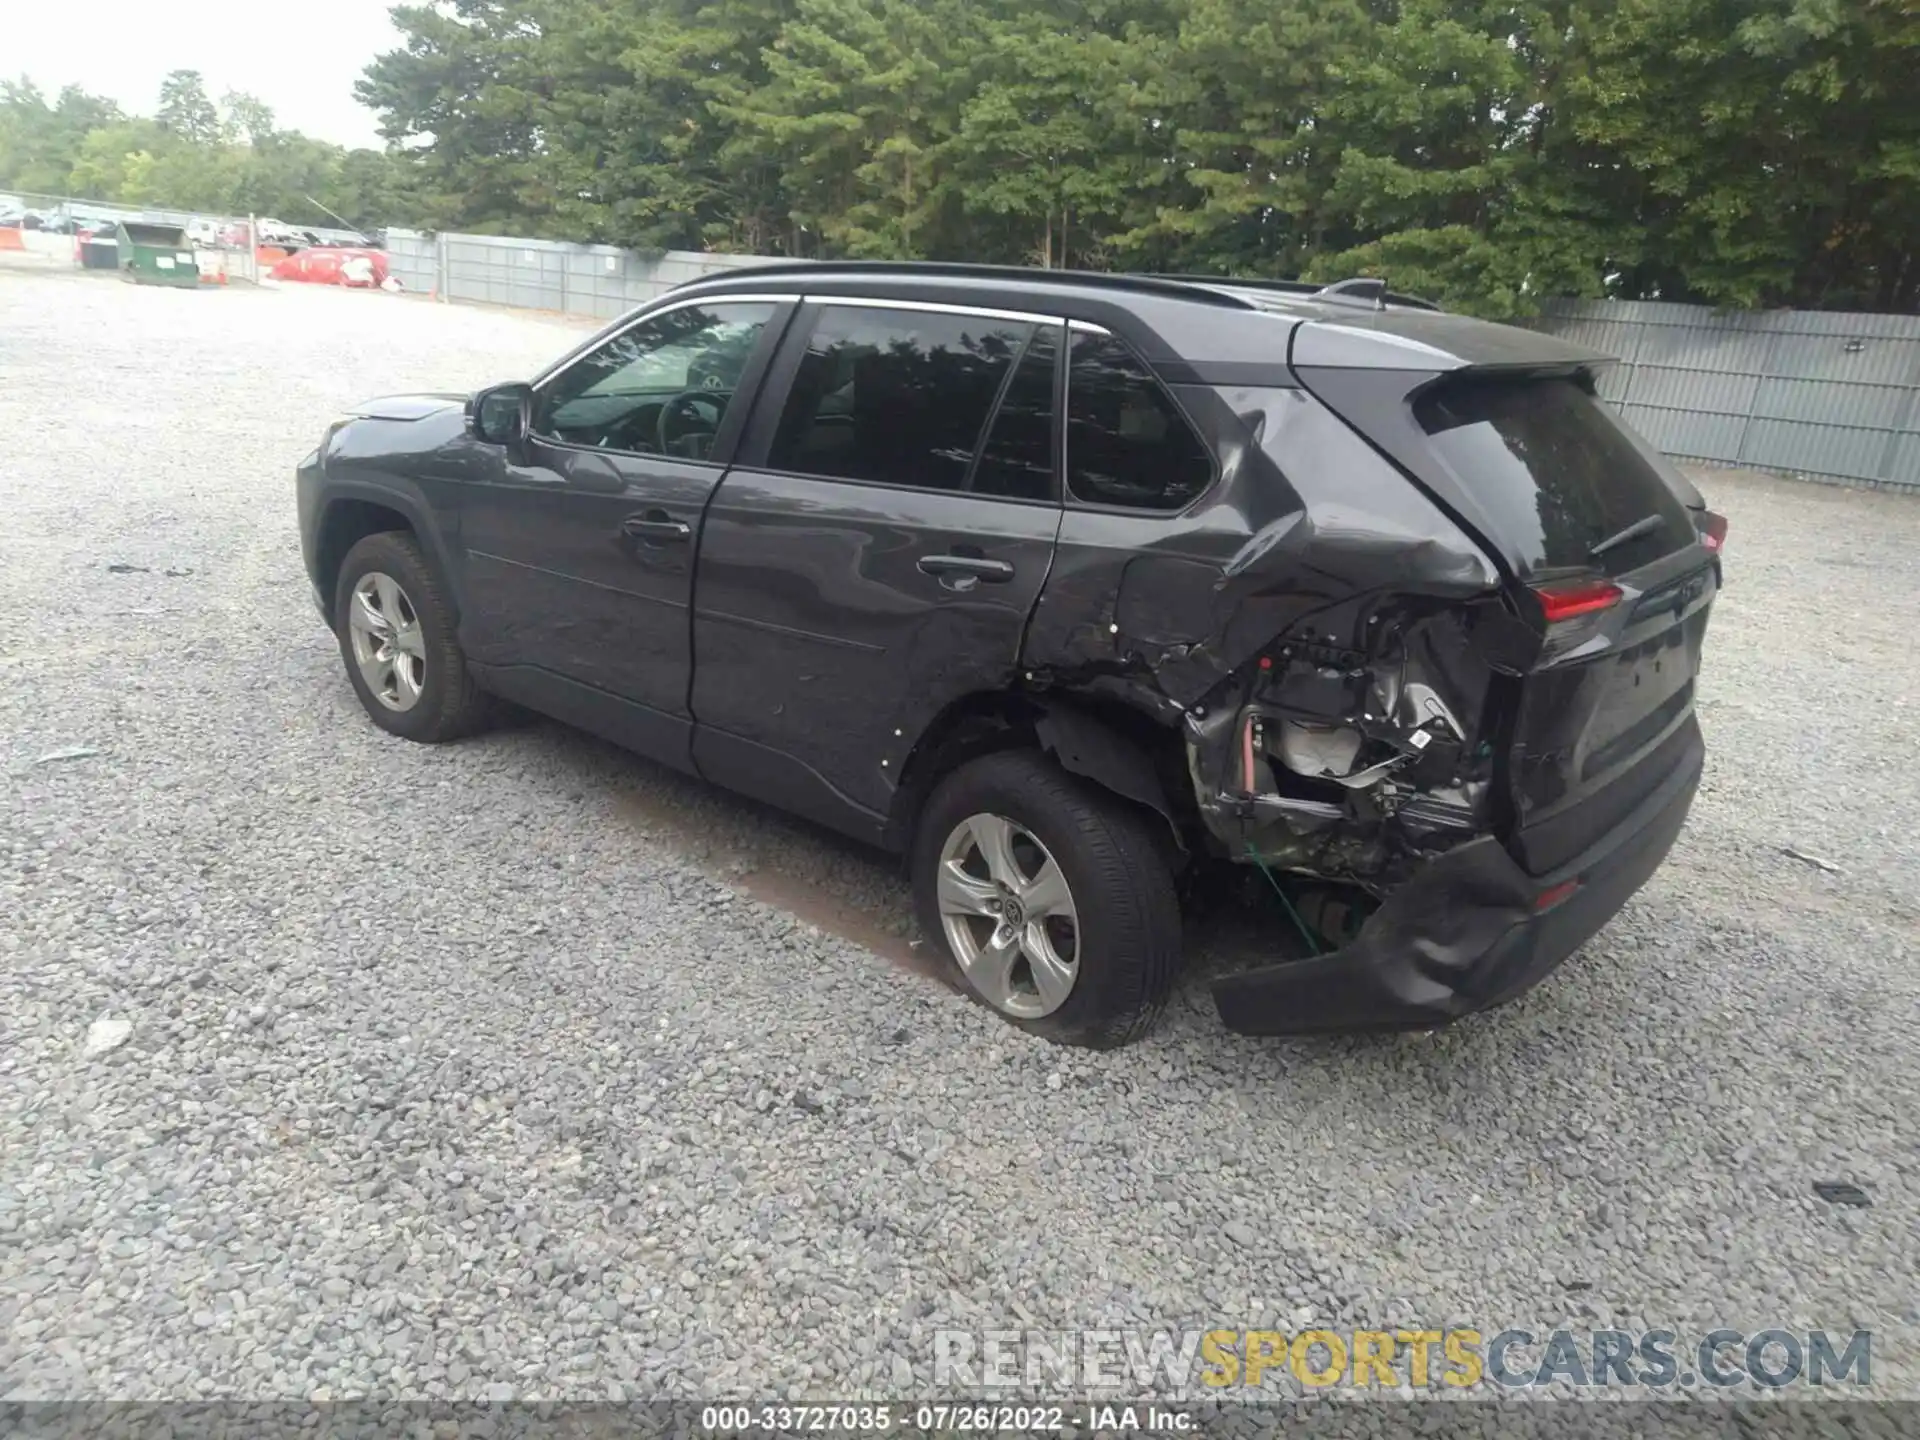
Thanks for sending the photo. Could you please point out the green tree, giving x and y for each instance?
(861, 97)
(678, 170)
(467, 93)
(39, 142)
(1768, 151)
(1233, 97)
(1047, 143)
(185, 110)
(248, 116)
(107, 158)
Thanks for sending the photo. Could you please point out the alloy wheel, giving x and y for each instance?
(1009, 916)
(384, 629)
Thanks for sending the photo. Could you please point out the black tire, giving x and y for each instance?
(1128, 942)
(450, 705)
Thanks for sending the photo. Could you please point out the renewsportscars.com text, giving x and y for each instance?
(1221, 1361)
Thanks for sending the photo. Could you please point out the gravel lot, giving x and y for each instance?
(523, 1067)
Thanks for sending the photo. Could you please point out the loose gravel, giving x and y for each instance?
(333, 1065)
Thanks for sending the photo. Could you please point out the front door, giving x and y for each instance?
(581, 565)
(876, 554)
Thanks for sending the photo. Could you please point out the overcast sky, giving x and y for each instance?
(302, 60)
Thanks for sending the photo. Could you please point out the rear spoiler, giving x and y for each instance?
(1436, 342)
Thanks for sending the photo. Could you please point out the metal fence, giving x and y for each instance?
(71, 206)
(1824, 394)
(61, 206)
(598, 280)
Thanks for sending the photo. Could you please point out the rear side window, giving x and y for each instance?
(898, 397)
(1557, 471)
(1127, 442)
(1017, 460)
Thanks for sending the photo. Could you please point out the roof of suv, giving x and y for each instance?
(1351, 324)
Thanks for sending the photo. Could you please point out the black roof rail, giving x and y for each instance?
(1239, 282)
(1362, 291)
(1364, 288)
(1177, 288)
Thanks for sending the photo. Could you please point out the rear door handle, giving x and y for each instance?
(657, 526)
(978, 567)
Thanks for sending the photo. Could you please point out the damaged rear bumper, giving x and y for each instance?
(1467, 932)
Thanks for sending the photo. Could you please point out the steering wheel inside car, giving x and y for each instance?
(691, 412)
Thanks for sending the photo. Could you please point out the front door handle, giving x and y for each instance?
(657, 526)
(977, 567)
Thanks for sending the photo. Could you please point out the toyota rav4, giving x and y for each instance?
(1067, 587)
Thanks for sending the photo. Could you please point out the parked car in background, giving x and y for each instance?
(204, 233)
(277, 232)
(1068, 587)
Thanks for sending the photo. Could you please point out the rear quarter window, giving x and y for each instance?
(1559, 472)
(1128, 445)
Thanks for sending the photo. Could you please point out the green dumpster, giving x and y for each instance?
(99, 252)
(156, 254)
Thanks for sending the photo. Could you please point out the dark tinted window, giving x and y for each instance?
(1017, 460)
(1556, 469)
(1127, 444)
(661, 387)
(895, 396)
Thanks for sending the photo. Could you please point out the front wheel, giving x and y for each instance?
(396, 634)
(1051, 897)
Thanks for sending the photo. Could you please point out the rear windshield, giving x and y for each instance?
(1557, 470)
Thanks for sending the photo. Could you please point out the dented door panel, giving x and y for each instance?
(824, 638)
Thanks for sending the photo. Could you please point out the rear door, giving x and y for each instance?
(877, 551)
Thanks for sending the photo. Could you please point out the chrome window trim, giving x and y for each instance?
(934, 307)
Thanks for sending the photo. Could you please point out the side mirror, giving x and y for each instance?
(501, 414)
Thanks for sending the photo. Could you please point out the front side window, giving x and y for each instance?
(1127, 442)
(895, 397)
(660, 388)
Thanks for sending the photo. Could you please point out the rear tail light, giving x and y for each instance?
(1573, 610)
(1583, 597)
(1712, 528)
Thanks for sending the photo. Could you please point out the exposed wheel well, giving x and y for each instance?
(1133, 755)
(346, 524)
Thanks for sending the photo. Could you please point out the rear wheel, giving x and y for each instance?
(396, 634)
(1051, 897)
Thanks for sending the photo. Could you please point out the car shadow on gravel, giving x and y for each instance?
(849, 890)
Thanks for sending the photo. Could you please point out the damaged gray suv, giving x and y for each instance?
(1071, 588)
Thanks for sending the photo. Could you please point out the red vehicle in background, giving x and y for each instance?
(351, 266)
